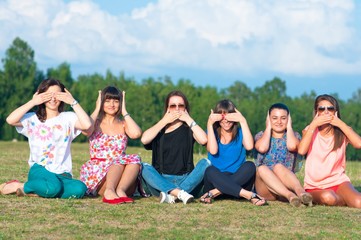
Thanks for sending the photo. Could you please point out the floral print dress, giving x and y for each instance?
(105, 151)
(278, 153)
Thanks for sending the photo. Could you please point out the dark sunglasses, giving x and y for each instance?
(329, 109)
(174, 106)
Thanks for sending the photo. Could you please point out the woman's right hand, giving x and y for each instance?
(99, 100)
(214, 117)
(170, 117)
(42, 97)
(268, 121)
(320, 120)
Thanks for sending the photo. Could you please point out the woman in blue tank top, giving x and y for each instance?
(230, 173)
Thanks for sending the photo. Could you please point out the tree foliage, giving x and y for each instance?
(145, 99)
(18, 81)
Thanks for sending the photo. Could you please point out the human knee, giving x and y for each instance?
(357, 202)
(251, 167)
(147, 170)
(51, 191)
(211, 170)
(329, 198)
(278, 166)
(262, 169)
(77, 190)
(146, 166)
(204, 163)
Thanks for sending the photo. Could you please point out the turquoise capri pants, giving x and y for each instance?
(50, 185)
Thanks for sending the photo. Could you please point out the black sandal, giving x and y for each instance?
(207, 198)
(259, 198)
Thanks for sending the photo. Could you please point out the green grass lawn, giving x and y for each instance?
(89, 218)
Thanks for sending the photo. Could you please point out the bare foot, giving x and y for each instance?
(295, 201)
(121, 193)
(306, 199)
(10, 187)
(110, 194)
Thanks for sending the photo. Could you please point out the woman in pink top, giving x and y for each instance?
(324, 141)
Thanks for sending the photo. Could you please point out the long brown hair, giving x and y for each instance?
(178, 94)
(43, 87)
(110, 92)
(225, 106)
(339, 136)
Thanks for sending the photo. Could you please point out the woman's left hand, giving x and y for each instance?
(335, 120)
(65, 97)
(124, 110)
(289, 121)
(235, 117)
(184, 116)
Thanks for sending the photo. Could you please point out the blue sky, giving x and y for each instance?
(310, 44)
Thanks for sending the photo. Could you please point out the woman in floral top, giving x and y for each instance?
(110, 172)
(276, 148)
(50, 132)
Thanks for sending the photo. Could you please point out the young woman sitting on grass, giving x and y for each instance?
(324, 141)
(276, 148)
(230, 173)
(111, 172)
(172, 175)
(50, 132)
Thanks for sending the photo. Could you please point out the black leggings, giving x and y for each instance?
(230, 183)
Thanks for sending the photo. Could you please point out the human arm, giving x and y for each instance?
(247, 135)
(308, 132)
(263, 143)
(212, 145)
(353, 138)
(292, 140)
(131, 127)
(94, 115)
(198, 133)
(83, 122)
(15, 117)
(153, 131)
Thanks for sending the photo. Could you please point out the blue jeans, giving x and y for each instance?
(157, 182)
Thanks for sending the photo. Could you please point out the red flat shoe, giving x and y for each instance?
(113, 201)
(127, 199)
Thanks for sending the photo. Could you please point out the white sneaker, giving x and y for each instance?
(185, 197)
(166, 198)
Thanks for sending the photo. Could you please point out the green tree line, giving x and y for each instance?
(20, 76)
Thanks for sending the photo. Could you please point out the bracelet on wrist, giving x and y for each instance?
(192, 124)
(126, 115)
(75, 102)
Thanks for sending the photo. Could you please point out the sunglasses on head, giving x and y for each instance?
(329, 109)
(174, 106)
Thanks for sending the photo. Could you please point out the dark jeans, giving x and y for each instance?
(230, 183)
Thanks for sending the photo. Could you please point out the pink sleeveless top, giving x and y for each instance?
(325, 168)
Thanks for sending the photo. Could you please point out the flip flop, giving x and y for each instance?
(207, 198)
(258, 199)
(2, 186)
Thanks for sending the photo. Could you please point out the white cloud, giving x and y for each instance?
(302, 37)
